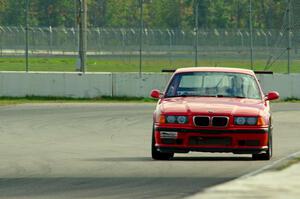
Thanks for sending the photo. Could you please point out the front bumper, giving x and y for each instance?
(239, 141)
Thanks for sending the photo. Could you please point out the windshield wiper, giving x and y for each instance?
(241, 97)
(187, 95)
(183, 95)
(207, 95)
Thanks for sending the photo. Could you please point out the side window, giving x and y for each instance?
(173, 86)
(249, 84)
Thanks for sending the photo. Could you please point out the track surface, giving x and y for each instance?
(103, 151)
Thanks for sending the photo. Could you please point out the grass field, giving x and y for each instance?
(67, 64)
(104, 99)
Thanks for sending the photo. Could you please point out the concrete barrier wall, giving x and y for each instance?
(90, 85)
(131, 84)
(18, 84)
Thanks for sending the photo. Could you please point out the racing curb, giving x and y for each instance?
(262, 183)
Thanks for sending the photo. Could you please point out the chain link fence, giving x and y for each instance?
(103, 41)
(117, 49)
(168, 45)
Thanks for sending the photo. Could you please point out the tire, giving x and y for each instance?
(157, 155)
(268, 154)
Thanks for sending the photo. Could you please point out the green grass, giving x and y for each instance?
(292, 99)
(67, 64)
(104, 99)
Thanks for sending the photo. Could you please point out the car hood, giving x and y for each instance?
(211, 105)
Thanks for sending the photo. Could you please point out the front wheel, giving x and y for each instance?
(157, 155)
(268, 154)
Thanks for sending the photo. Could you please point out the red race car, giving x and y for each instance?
(212, 110)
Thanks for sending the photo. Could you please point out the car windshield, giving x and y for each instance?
(213, 84)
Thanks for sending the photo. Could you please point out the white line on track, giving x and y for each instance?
(291, 156)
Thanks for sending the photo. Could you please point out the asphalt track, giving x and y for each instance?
(103, 151)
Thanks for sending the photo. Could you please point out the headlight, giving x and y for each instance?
(245, 120)
(171, 119)
(240, 120)
(252, 120)
(182, 119)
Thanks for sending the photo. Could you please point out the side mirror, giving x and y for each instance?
(155, 94)
(272, 95)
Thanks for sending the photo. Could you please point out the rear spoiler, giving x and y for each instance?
(168, 70)
(263, 72)
(256, 71)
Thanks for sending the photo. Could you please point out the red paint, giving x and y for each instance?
(155, 94)
(272, 95)
(214, 106)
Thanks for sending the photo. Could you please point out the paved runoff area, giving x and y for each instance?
(271, 184)
(103, 151)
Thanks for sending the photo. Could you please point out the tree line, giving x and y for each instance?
(172, 14)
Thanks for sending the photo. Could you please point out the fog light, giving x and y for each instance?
(168, 134)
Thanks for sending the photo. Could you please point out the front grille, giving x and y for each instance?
(219, 121)
(202, 140)
(201, 120)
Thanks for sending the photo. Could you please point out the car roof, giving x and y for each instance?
(215, 69)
